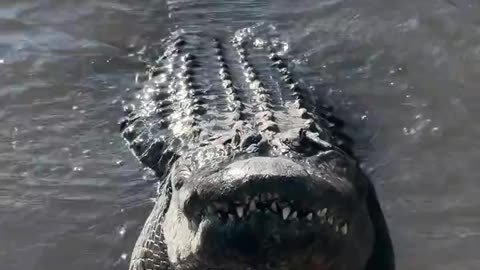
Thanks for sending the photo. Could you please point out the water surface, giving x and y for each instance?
(403, 74)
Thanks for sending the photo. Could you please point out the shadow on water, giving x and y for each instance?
(403, 75)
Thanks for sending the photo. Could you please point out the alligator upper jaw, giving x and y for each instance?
(267, 188)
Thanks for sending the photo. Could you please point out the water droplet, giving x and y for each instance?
(436, 131)
(119, 162)
(77, 169)
(122, 231)
(124, 256)
(75, 108)
(2, 61)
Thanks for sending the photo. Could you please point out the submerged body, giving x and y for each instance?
(255, 172)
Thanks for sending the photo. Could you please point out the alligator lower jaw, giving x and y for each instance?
(264, 240)
(260, 237)
(257, 238)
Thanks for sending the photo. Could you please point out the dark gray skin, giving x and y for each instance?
(255, 172)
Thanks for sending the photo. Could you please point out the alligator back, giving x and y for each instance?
(238, 87)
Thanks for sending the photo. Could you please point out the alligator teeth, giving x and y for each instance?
(240, 211)
(252, 205)
(285, 212)
(322, 213)
(221, 206)
(274, 207)
(330, 220)
(344, 229)
(243, 207)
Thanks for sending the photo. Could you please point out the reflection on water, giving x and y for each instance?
(403, 74)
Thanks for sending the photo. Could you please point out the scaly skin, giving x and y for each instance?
(255, 172)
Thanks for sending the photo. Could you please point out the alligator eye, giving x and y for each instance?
(123, 122)
(179, 43)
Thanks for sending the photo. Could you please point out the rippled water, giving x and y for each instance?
(403, 74)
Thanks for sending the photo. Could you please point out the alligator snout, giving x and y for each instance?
(265, 186)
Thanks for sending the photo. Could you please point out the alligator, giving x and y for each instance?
(254, 170)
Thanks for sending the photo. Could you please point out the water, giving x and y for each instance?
(403, 74)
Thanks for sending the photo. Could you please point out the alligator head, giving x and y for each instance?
(254, 174)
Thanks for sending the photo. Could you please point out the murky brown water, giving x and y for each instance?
(405, 75)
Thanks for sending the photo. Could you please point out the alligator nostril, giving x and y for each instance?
(178, 184)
